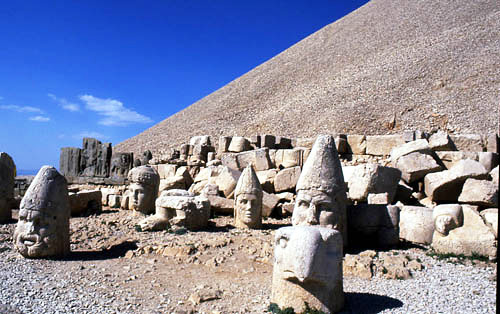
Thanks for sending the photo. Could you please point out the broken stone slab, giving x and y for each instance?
(479, 192)
(490, 217)
(416, 224)
(308, 268)
(371, 178)
(227, 180)
(187, 210)
(239, 144)
(121, 163)
(258, 158)
(357, 266)
(492, 143)
(221, 205)
(449, 159)
(376, 225)
(468, 142)
(441, 141)
(305, 142)
(356, 144)
(378, 199)
(266, 179)
(200, 140)
(183, 171)
(269, 202)
(381, 145)
(173, 182)
(488, 160)
(416, 166)
(286, 179)
(418, 146)
(474, 237)
(166, 170)
(69, 161)
(447, 185)
(224, 142)
(287, 158)
(85, 202)
(207, 173)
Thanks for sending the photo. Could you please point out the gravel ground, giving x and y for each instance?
(93, 280)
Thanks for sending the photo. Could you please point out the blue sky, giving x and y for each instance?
(111, 69)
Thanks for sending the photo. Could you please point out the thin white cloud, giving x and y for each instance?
(115, 114)
(64, 103)
(92, 134)
(40, 119)
(21, 108)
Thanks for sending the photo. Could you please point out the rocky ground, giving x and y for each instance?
(113, 268)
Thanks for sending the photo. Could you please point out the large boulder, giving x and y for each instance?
(440, 141)
(473, 238)
(187, 210)
(239, 144)
(371, 178)
(227, 180)
(479, 192)
(468, 142)
(450, 159)
(269, 202)
(356, 144)
(266, 179)
(258, 158)
(420, 146)
(447, 185)
(286, 179)
(287, 158)
(416, 165)
(416, 224)
(85, 202)
(490, 217)
(381, 145)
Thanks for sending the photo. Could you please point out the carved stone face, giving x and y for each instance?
(314, 207)
(248, 209)
(444, 223)
(141, 198)
(36, 234)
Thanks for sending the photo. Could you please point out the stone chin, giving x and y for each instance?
(32, 246)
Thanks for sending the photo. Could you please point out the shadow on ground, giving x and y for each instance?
(111, 252)
(368, 303)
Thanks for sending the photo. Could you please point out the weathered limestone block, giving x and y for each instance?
(166, 170)
(492, 143)
(447, 217)
(287, 158)
(227, 180)
(36, 236)
(258, 158)
(187, 210)
(121, 163)
(450, 159)
(207, 173)
(474, 237)
(378, 199)
(224, 142)
(85, 202)
(490, 217)
(416, 166)
(69, 161)
(372, 178)
(321, 195)
(266, 179)
(170, 183)
(184, 172)
(373, 224)
(269, 202)
(493, 175)
(305, 142)
(229, 160)
(221, 205)
(308, 268)
(479, 192)
(200, 140)
(418, 146)
(143, 188)
(358, 266)
(468, 142)
(114, 201)
(255, 141)
(356, 144)
(416, 224)
(381, 145)
(239, 144)
(248, 201)
(125, 200)
(488, 160)
(441, 141)
(7, 183)
(185, 151)
(447, 185)
(286, 179)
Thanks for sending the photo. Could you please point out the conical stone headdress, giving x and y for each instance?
(322, 170)
(47, 193)
(248, 183)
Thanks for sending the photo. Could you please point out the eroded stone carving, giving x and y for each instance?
(7, 175)
(43, 226)
(144, 182)
(447, 217)
(121, 163)
(248, 200)
(321, 195)
(308, 268)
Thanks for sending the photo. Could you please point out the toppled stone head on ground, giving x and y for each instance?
(447, 217)
(248, 200)
(321, 192)
(43, 226)
(143, 189)
(308, 268)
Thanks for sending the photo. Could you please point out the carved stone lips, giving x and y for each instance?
(29, 239)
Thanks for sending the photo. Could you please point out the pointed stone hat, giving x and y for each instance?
(322, 170)
(248, 183)
(47, 193)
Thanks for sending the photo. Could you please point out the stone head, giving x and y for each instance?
(321, 195)
(447, 217)
(43, 226)
(248, 200)
(143, 189)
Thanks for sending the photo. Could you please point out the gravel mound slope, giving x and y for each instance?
(428, 64)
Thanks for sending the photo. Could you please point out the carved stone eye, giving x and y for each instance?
(303, 203)
(282, 242)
